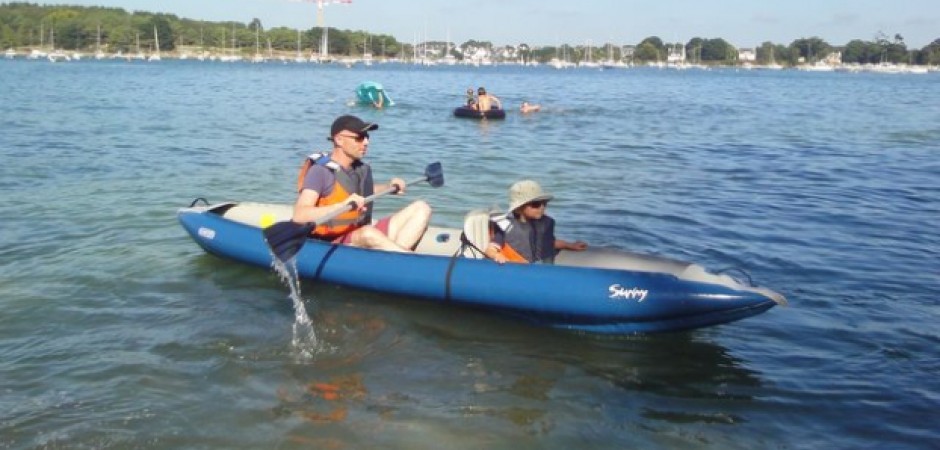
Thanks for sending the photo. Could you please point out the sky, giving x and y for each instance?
(743, 23)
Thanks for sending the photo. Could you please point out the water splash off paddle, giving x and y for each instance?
(304, 339)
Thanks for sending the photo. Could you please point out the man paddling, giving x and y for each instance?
(329, 181)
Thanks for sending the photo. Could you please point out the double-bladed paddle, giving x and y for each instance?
(286, 238)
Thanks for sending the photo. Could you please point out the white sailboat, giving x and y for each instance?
(258, 58)
(98, 53)
(325, 46)
(55, 55)
(562, 62)
(235, 56)
(611, 63)
(773, 63)
(300, 57)
(139, 55)
(203, 54)
(588, 62)
(221, 57)
(366, 53)
(449, 59)
(39, 53)
(155, 56)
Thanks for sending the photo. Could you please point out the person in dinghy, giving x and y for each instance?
(526, 234)
(328, 181)
(471, 99)
(486, 102)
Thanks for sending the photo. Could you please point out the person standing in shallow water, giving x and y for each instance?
(526, 233)
(328, 181)
(485, 101)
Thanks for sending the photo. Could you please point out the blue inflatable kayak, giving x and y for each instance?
(598, 290)
(373, 94)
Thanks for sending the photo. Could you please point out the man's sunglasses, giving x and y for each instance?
(537, 204)
(359, 137)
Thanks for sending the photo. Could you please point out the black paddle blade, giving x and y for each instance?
(286, 238)
(435, 174)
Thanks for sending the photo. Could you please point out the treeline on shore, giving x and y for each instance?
(26, 25)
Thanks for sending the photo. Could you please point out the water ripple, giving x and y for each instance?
(119, 332)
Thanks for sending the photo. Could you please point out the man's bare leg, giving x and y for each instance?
(407, 226)
(370, 237)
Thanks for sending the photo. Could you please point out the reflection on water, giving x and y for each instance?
(407, 362)
(675, 366)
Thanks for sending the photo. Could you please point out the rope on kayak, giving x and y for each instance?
(465, 245)
(450, 272)
(197, 200)
(731, 271)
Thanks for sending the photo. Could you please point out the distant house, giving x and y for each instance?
(833, 58)
(480, 55)
(507, 53)
(676, 54)
(747, 55)
(627, 51)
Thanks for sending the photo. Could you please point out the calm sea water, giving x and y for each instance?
(117, 331)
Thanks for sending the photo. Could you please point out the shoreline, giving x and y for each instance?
(31, 53)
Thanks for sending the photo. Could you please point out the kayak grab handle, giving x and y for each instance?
(731, 271)
(197, 200)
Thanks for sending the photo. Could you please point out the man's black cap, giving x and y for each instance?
(351, 123)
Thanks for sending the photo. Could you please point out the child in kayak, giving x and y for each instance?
(526, 233)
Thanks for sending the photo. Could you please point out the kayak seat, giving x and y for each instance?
(259, 214)
(476, 233)
(439, 241)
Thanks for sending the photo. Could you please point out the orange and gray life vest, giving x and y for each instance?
(354, 181)
(531, 241)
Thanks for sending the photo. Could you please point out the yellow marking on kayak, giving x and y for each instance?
(267, 219)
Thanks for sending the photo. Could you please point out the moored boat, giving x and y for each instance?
(599, 290)
(471, 113)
